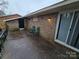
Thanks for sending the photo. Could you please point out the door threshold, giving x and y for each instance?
(21, 28)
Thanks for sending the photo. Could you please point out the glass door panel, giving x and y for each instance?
(75, 36)
(64, 24)
(77, 42)
(71, 29)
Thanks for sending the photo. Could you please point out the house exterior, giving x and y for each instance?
(58, 23)
(12, 21)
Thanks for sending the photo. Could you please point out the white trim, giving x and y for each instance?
(66, 45)
(11, 19)
(57, 25)
(21, 28)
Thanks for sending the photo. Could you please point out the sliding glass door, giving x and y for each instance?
(68, 29)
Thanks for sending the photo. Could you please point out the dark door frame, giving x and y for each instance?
(21, 22)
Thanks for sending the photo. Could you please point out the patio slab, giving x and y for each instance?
(21, 46)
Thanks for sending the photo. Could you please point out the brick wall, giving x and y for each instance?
(47, 28)
(13, 25)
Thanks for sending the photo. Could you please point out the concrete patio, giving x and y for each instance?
(21, 46)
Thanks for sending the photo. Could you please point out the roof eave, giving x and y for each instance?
(51, 7)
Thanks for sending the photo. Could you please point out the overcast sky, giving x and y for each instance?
(24, 7)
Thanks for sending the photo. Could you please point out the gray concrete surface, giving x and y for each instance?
(21, 46)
